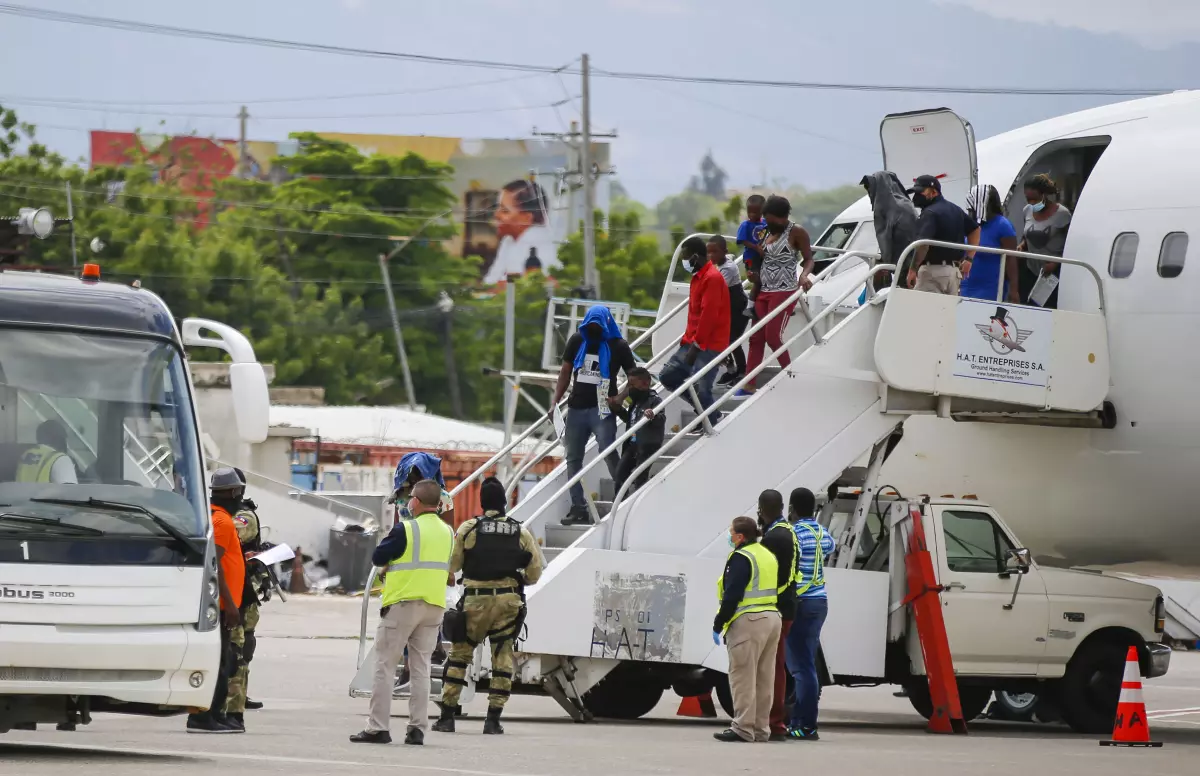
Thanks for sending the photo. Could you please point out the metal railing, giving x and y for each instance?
(293, 489)
(691, 381)
(1004, 254)
(533, 427)
(622, 524)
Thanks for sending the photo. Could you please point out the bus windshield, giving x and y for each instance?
(88, 415)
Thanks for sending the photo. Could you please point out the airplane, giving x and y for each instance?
(1120, 498)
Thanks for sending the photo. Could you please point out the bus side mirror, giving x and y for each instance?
(247, 380)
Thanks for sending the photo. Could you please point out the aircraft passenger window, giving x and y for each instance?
(974, 543)
(1124, 252)
(1172, 254)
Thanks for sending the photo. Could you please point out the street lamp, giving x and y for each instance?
(38, 222)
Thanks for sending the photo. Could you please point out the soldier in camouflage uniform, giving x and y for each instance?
(498, 558)
(257, 590)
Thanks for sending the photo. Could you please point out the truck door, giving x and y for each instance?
(931, 142)
(986, 638)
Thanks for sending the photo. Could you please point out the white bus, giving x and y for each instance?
(108, 587)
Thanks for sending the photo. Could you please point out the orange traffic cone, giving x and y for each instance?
(1131, 727)
(298, 583)
(697, 706)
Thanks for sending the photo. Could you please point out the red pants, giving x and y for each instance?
(772, 333)
(778, 717)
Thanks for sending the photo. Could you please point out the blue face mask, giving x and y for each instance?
(729, 538)
(1038, 207)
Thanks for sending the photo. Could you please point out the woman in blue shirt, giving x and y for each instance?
(981, 274)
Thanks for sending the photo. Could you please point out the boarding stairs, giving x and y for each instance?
(637, 587)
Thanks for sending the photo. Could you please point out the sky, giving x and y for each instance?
(816, 138)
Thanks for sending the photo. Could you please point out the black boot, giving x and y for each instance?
(445, 723)
(491, 725)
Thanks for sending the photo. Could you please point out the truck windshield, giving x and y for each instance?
(89, 415)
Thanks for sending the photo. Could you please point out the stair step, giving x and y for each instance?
(608, 489)
(550, 553)
(675, 444)
(603, 507)
(564, 535)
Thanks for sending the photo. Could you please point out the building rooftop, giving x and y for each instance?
(391, 427)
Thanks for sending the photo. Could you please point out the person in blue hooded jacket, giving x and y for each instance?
(593, 357)
(413, 468)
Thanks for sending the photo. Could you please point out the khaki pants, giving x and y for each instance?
(938, 279)
(412, 624)
(490, 617)
(752, 641)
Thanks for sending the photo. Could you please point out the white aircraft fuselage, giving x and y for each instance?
(1101, 497)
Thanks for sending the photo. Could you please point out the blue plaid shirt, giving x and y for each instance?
(807, 532)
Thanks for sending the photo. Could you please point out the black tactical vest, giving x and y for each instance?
(497, 553)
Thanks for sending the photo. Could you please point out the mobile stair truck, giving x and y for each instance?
(108, 581)
(624, 610)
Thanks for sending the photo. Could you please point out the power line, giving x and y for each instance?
(275, 100)
(56, 105)
(250, 40)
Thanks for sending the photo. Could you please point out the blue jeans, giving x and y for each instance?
(582, 424)
(676, 371)
(803, 641)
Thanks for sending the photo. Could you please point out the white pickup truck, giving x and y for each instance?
(1013, 625)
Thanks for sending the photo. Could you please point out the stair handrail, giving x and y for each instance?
(622, 525)
(683, 388)
(1004, 254)
(507, 449)
(297, 489)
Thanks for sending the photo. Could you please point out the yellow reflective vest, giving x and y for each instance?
(421, 572)
(36, 463)
(762, 592)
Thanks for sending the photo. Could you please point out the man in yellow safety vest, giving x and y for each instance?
(47, 461)
(749, 619)
(417, 556)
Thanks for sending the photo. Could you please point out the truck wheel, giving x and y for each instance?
(1015, 706)
(973, 700)
(628, 692)
(1088, 692)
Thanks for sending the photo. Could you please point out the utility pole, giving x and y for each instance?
(242, 168)
(446, 306)
(588, 172)
(71, 218)
(387, 288)
(504, 466)
(590, 281)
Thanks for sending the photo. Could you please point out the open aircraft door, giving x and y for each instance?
(931, 142)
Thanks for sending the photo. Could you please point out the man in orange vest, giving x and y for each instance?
(227, 492)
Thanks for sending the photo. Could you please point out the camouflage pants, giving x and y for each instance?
(242, 641)
(491, 617)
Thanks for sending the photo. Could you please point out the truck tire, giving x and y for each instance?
(973, 700)
(1088, 692)
(628, 692)
(1015, 706)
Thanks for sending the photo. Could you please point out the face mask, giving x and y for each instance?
(920, 200)
(412, 506)
(1038, 207)
(687, 264)
(638, 395)
(729, 538)
(775, 228)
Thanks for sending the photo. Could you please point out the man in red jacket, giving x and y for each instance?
(707, 332)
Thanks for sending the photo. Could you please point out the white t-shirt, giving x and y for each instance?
(512, 255)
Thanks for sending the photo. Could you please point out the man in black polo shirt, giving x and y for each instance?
(934, 268)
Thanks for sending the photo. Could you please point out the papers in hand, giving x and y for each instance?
(560, 425)
(1042, 289)
(277, 554)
